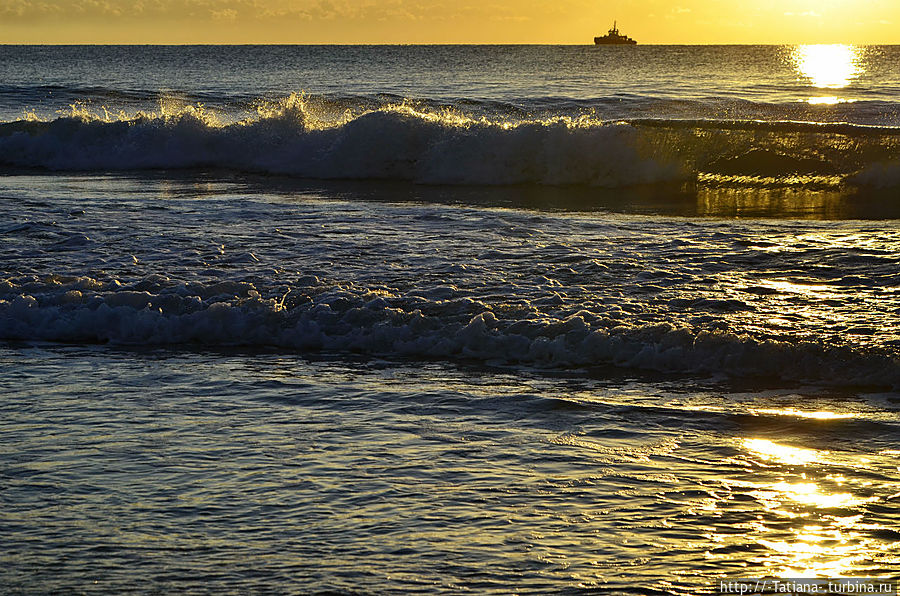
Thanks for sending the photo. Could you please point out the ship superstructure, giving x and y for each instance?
(613, 37)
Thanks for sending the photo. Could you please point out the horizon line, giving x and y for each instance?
(401, 44)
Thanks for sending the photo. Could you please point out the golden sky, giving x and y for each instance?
(447, 21)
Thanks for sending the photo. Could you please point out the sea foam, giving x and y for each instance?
(395, 142)
(315, 317)
(443, 146)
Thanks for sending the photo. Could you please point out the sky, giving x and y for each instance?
(448, 21)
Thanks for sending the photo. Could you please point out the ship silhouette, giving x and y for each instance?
(613, 37)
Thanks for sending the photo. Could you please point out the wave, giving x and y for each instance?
(326, 140)
(315, 315)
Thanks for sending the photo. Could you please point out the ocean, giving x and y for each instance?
(447, 319)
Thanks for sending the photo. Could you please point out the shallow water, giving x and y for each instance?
(139, 261)
(365, 395)
(157, 470)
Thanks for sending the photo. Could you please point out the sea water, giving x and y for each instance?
(431, 319)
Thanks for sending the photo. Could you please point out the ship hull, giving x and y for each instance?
(600, 41)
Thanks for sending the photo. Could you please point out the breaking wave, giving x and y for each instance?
(405, 141)
(316, 316)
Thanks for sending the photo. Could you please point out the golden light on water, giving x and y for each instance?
(783, 454)
(797, 288)
(794, 412)
(829, 101)
(806, 556)
(809, 493)
(813, 526)
(828, 66)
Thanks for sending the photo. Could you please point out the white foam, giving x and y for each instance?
(297, 137)
(345, 321)
(397, 143)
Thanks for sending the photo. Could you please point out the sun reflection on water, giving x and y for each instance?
(807, 556)
(829, 100)
(784, 454)
(828, 66)
(812, 521)
(794, 412)
(809, 493)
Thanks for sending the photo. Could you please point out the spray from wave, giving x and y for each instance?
(314, 138)
(397, 142)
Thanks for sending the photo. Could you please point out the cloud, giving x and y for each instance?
(227, 14)
(263, 10)
(218, 9)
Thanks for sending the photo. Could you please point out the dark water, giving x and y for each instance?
(446, 319)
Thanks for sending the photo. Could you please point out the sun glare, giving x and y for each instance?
(828, 66)
(815, 415)
(809, 493)
(830, 100)
(784, 454)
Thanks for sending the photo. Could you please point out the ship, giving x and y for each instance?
(613, 37)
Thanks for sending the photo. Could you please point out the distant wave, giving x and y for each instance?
(784, 126)
(442, 146)
(440, 323)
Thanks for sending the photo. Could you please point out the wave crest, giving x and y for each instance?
(317, 138)
(397, 142)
